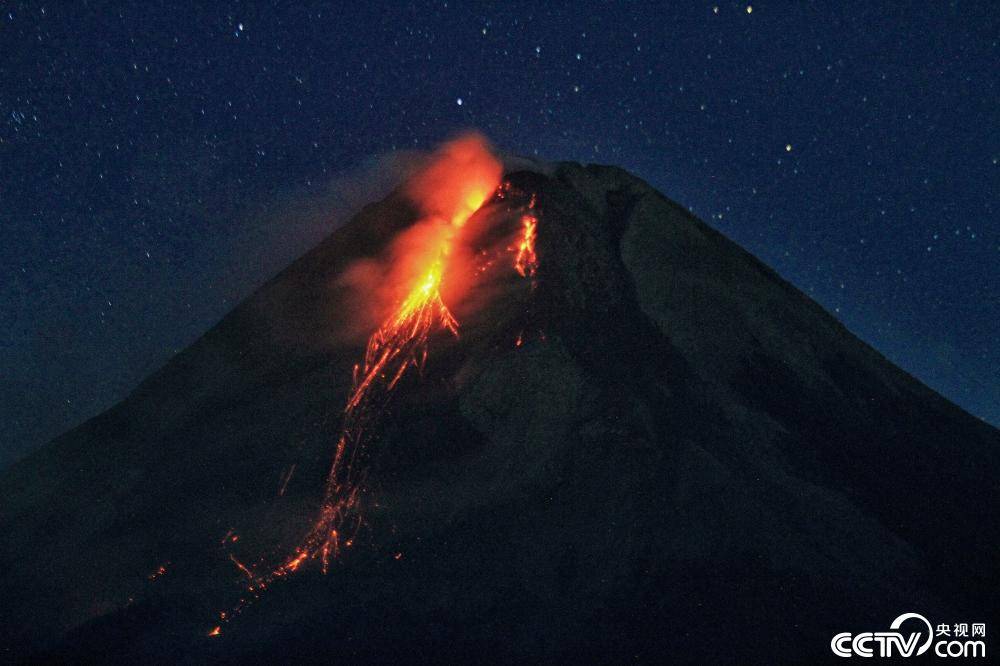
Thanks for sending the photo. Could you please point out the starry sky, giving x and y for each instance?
(157, 163)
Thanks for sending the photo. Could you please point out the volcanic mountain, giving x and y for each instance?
(647, 446)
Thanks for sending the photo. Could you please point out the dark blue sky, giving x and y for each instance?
(159, 162)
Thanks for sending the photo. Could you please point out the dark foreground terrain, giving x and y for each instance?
(686, 459)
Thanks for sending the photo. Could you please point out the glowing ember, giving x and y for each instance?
(242, 567)
(160, 571)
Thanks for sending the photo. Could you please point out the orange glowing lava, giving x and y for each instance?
(453, 186)
(455, 183)
(526, 262)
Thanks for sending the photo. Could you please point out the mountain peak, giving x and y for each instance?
(653, 431)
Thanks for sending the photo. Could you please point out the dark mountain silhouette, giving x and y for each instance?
(686, 458)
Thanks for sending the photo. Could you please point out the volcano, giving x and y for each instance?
(636, 442)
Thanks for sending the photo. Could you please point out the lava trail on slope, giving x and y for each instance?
(461, 177)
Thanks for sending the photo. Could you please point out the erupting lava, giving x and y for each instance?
(448, 191)
(453, 187)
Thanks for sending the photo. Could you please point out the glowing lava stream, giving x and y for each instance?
(451, 192)
(526, 263)
(400, 343)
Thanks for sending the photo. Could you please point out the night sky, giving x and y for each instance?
(159, 162)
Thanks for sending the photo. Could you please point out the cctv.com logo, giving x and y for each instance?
(918, 636)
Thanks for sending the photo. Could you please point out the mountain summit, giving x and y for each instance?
(641, 443)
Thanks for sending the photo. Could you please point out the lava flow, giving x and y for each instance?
(448, 191)
(453, 187)
(526, 263)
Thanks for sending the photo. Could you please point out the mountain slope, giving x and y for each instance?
(686, 456)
